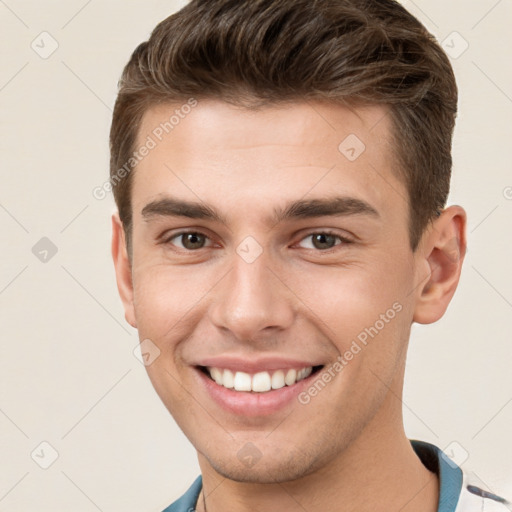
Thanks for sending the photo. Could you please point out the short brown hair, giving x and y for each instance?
(260, 52)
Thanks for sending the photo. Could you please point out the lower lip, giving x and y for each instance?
(253, 404)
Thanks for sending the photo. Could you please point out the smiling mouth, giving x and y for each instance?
(260, 382)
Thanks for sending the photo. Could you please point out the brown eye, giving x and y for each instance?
(322, 241)
(189, 240)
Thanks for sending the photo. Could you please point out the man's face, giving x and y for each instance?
(260, 288)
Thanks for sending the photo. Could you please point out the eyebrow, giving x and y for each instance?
(301, 209)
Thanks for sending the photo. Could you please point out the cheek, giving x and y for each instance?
(167, 303)
(166, 299)
(350, 300)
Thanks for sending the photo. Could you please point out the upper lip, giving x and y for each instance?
(255, 364)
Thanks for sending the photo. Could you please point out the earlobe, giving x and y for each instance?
(123, 269)
(443, 252)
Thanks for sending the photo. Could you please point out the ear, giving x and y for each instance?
(441, 252)
(123, 269)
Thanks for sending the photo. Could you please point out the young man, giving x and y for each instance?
(281, 169)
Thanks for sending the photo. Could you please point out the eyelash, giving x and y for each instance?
(342, 239)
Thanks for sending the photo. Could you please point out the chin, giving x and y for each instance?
(277, 469)
(263, 475)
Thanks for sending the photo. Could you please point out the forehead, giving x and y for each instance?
(227, 154)
(215, 124)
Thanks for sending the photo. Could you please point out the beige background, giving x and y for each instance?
(68, 375)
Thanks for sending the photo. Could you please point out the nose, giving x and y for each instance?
(252, 301)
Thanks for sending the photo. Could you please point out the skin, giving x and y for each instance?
(347, 445)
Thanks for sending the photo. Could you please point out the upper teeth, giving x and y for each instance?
(259, 382)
